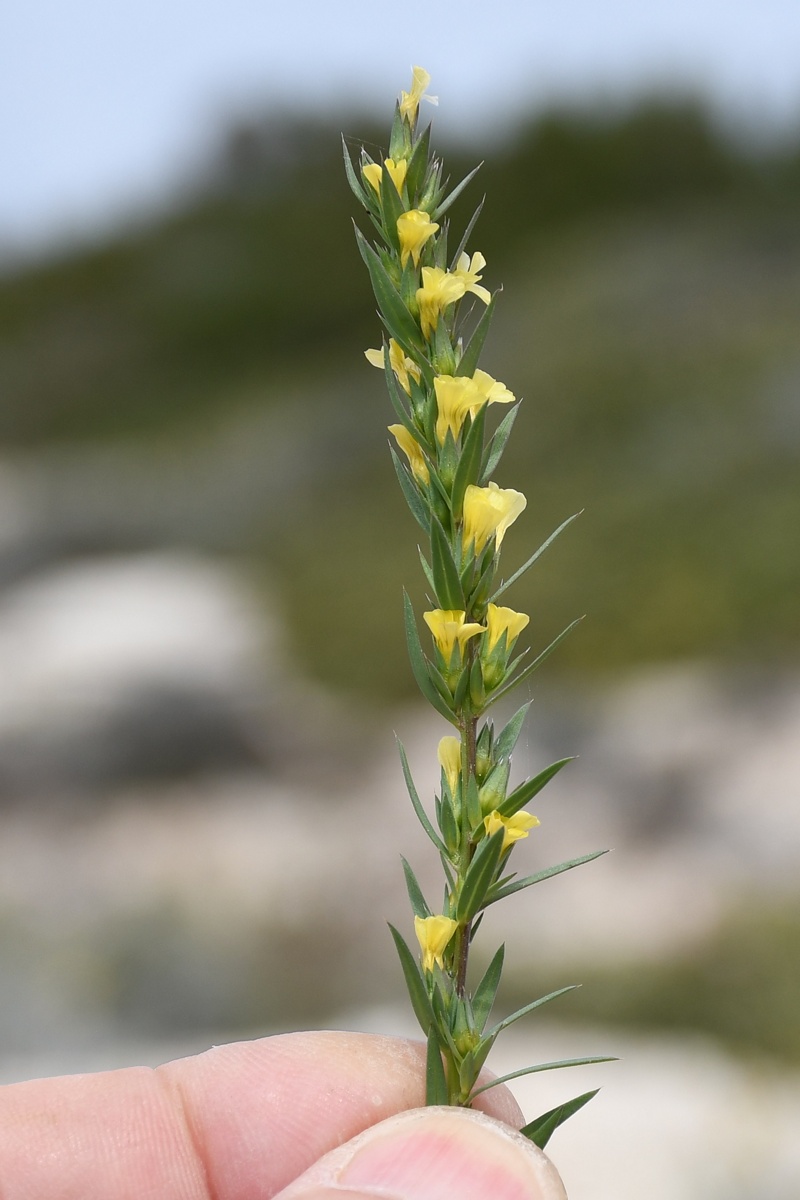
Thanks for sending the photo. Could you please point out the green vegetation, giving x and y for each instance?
(653, 274)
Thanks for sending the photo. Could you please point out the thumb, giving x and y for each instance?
(432, 1154)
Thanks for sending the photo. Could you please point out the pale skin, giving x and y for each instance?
(270, 1118)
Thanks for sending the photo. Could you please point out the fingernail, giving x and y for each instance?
(433, 1154)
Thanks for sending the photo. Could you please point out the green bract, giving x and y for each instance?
(436, 317)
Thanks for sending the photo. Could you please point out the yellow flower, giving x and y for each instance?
(500, 621)
(488, 512)
(469, 272)
(449, 754)
(515, 827)
(439, 290)
(492, 390)
(402, 366)
(413, 229)
(397, 172)
(409, 101)
(448, 628)
(411, 448)
(456, 396)
(433, 934)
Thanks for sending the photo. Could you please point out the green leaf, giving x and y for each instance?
(418, 165)
(523, 1012)
(419, 904)
(474, 817)
(422, 816)
(447, 584)
(411, 493)
(507, 740)
(352, 178)
(399, 137)
(469, 464)
(472, 350)
(414, 982)
(442, 208)
(486, 990)
(550, 1066)
(526, 791)
(498, 444)
(462, 245)
(435, 1081)
(450, 831)
(508, 889)
(479, 876)
(391, 207)
(426, 570)
(531, 667)
(537, 554)
(419, 664)
(542, 1128)
(398, 319)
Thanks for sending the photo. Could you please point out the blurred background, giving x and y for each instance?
(202, 547)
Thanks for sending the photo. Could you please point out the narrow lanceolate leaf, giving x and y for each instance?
(419, 664)
(507, 740)
(479, 876)
(486, 990)
(550, 1066)
(537, 662)
(414, 982)
(508, 889)
(523, 1012)
(473, 803)
(422, 816)
(352, 178)
(469, 464)
(494, 451)
(445, 574)
(462, 245)
(472, 351)
(426, 570)
(542, 1128)
(391, 208)
(456, 192)
(536, 554)
(398, 319)
(418, 165)
(419, 904)
(409, 490)
(526, 791)
(435, 1081)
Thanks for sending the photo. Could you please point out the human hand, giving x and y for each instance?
(270, 1118)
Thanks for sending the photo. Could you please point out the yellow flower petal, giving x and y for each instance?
(409, 101)
(449, 755)
(491, 389)
(413, 229)
(433, 934)
(411, 448)
(439, 290)
(469, 273)
(488, 512)
(500, 621)
(449, 629)
(373, 173)
(456, 397)
(516, 827)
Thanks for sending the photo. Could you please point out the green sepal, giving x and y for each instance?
(356, 186)
(422, 816)
(536, 554)
(462, 245)
(450, 831)
(442, 353)
(542, 1128)
(410, 492)
(479, 876)
(474, 816)
(549, 1066)
(486, 991)
(440, 683)
(467, 1072)
(440, 248)
(435, 1081)
(419, 664)
(418, 165)
(417, 991)
(391, 208)
(507, 739)
(528, 1008)
(472, 351)
(396, 317)
(478, 595)
(447, 584)
(419, 904)
(477, 691)
(508, 889)
(531, 667)
(461, 689)
(442, 208)
(426, 570)
(469, 463)
(494, 451)
(399, 138)
(526, 791)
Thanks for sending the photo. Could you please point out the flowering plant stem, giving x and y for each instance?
(436, 314)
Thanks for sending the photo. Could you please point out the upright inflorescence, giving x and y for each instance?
(436, 314)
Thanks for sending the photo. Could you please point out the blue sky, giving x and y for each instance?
(105, 105)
